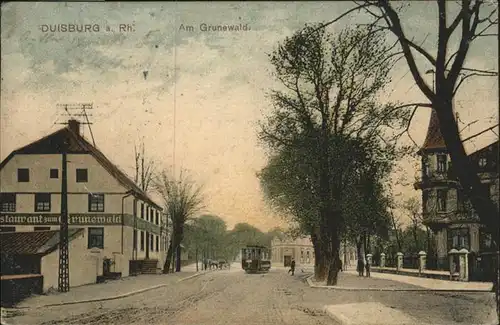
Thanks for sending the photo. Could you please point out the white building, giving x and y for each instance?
(116, 215)
(302, 251)
(284, 249)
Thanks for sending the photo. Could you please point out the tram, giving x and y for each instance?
(255, 259)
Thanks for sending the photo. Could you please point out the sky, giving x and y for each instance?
(207, 90)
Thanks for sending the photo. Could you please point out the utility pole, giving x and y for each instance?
(63, 283)
(63, 279)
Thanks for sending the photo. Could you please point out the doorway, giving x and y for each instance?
(288, 260)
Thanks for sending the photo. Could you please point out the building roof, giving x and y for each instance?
(33, 242)
(76, 144)
(434, 139)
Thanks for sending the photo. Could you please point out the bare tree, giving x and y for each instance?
(144, 168)
(182, 199)
(413, 207)
(476, 19)
(473, 20)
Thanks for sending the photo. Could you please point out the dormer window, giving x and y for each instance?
(482, 162)
(442, 163)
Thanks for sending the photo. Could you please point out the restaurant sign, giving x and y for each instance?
(55, 219)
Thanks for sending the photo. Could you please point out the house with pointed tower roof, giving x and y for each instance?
(446, 210)
(118, 219)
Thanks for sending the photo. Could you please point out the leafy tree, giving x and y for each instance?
(331, 96)
(182, 199)
(246, 234)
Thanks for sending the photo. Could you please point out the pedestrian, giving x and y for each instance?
(361, 267)
(205, 262)
(292, 267)
(367, 266)
(341, 265)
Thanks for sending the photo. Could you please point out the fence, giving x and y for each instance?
(438, 264)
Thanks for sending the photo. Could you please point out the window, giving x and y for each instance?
(442, 197)
(441, 163)
(42, 202)
(482, 162)
(157, 243)
(142, 240)
(7, 229)
(151, 242)
(135, 239)
(8, 202)
(151, 215)
(157, 218)
(425, 167)
(23, 175)
(96, 202)
(458, 238)
(96, 237)
(41, 228)
(142, 210)
(485, 241)
(82, 175)
(147, 214)
(54, 173)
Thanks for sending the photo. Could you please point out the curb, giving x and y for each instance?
(340, 288)
(341, 319)
(128, 294)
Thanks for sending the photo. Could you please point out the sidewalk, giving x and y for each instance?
(433, 284)
(114, 289)
(349, 280)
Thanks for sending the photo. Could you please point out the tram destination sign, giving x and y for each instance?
(55, 219)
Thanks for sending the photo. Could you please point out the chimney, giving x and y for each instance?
(74, 126)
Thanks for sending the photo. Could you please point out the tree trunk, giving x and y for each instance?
(334, 263)
(320, 263)
(415, 238)
(393, 218)
(345, 255)
(320, 267)
(196, 257)
(168, 259)
(178, 258)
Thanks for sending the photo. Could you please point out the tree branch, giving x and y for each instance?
(468, 31)
(478, 134)
(398, 32)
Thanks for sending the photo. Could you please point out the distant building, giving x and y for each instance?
(446, 211)
(116, 216)
(285, 249)
(302, 250)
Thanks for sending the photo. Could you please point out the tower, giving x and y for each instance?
(437, 189)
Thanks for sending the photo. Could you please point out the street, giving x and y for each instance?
(229, 297)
